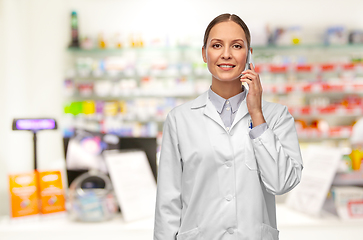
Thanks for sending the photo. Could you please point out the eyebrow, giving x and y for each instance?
(235, 40)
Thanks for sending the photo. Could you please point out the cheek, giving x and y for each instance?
(241, 58)
(211, 56)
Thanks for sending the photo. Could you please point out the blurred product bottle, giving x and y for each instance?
(74, 28)
(101, 41)
(132, 42)
(118, 41)
(140, 42)
(356, 140)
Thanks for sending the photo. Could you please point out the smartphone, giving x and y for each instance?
(249, 60)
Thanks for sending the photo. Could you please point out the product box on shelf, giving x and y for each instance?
(36, 192)
(348, 202)
(51, 192)
(23, 194)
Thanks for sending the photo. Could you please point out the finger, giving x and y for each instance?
(254, 81)
(248, 81)
(249, 76)
(253, 76)
(249, 72)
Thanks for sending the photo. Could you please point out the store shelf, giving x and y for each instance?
(148, 94)
(255, 48)
(334, 133)
(319, 79)
(313, 87)
(117, 51)
(309, 68)
(354, 178)
(331, 110)
(316, 46)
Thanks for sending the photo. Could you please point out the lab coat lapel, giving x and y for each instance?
(211, 112)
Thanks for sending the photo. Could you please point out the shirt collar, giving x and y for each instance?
(236, 100)
(219, 102)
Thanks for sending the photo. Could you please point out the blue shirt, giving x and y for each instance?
(227, 109)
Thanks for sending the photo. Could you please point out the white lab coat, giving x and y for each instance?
(215, 184)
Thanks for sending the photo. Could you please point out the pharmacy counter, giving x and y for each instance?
(292, 225)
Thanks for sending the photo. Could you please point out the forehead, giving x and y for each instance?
(227, 31)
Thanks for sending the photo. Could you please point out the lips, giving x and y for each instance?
(224, 66)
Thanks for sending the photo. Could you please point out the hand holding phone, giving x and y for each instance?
(251, 80)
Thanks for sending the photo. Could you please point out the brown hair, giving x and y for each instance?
(225, 18)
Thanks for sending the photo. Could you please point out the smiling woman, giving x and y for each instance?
(225, 52)
(226, 154)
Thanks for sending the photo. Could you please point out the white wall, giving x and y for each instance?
(34, 35)
(190, 17)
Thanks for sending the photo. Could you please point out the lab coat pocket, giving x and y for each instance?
(250, 158)
(189, 235)
(269, 233)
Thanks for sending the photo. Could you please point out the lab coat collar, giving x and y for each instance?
(200, 101)
(210, 110)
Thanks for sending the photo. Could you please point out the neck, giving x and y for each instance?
(227, 89)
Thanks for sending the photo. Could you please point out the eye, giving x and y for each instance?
(237, 46)
(217, 45)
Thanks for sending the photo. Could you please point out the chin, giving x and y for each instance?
(227, 79)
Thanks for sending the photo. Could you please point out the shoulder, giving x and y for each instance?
(180, 112)
(186, 108)
(181, 109)
(273, 108)
(276, 114)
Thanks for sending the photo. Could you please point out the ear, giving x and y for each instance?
(204, 54)
(251, 50)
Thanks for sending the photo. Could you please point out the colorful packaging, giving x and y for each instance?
(111, 108)
(51, 192)
(357, 156)
(23, 194)
(89, 107)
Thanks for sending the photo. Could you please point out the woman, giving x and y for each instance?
(226, 154)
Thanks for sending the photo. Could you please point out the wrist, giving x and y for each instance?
(257, 118)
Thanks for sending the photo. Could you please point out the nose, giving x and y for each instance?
(226, 54)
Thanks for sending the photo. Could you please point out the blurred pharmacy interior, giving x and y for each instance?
(87, 85)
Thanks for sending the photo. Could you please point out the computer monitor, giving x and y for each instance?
(147, 144)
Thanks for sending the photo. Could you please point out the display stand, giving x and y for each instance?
(34, 125)
(34, 199)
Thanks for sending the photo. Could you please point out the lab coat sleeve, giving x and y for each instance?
(278, 155)
(258, 130)
(168, 200)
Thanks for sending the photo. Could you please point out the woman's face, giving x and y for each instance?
(226, 51)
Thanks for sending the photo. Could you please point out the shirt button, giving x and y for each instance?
(227, 102)
(228, 164)
(229, 197)
(227, 128)
(230, 230)
(228, 109)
